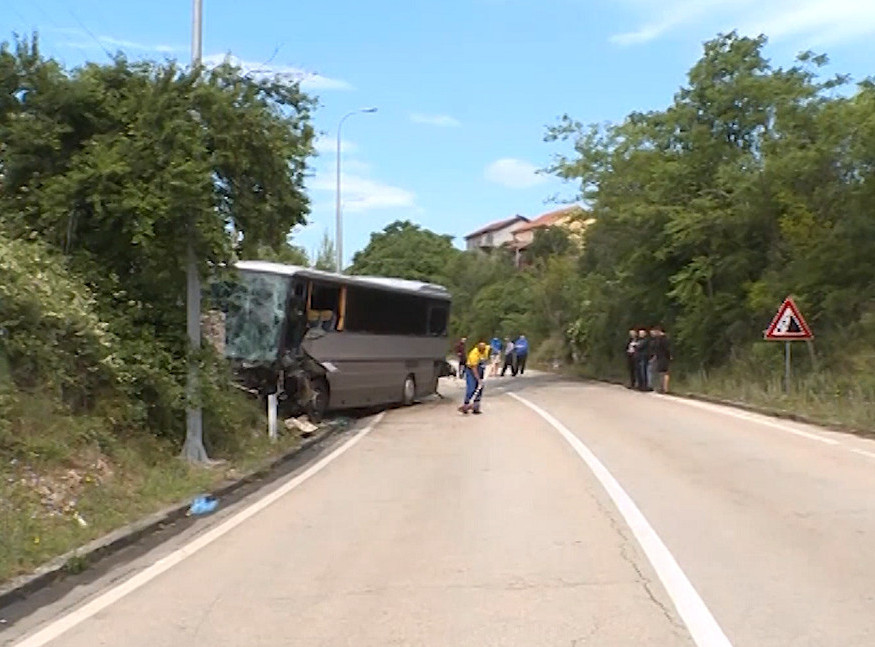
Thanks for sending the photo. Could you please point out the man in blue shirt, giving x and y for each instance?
(521, 346)
(494, 356)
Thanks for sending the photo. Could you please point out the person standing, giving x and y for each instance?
(521, 346)
(495, 347)
(630, 358)
(642, 357)
(474, 378)
(662, 359)
(651, 361)
(509, 357)
(461, 355)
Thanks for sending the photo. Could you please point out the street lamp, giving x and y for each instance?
(338, 243)
(193, 448)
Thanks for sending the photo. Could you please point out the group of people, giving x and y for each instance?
(507, 353)
(648, 357)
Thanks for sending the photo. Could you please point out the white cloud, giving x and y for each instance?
(817, 21)
(308, 80)
(359, 193)
(514, 173)
(87, 41)
(328, 145)
(443, 121)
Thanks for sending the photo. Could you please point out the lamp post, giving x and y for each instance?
(193, 449)
(338, 243)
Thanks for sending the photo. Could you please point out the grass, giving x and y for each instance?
(58, 469)
(823, 395)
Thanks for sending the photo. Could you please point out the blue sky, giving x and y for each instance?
(464, 88)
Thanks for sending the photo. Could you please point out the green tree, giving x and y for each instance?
(287, 254)
(119, 165)
(115, 167)
(405, 250)
(326, 256)
(707, 213)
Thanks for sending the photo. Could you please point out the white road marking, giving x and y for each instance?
(702, 626)
(69, 621)
(751, 417)
(862, 452)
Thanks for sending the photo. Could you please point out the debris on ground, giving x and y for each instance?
(303, 425)
(203, 505)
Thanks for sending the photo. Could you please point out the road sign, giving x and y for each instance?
(788, 324)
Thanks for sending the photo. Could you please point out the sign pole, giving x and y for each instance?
(787, 367)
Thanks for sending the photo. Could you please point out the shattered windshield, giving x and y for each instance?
(255, 309)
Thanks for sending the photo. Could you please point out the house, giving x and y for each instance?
(496, 234)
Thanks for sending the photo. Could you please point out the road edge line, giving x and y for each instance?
(60, 626)
(751, 416)
(703, 628)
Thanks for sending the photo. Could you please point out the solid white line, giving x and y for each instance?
(702, 626)
(67, 622)
(757, 418)
(862, 452)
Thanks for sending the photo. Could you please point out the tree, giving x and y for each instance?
(326, 256)
(707, 213)
(117, 166)
(288, 254)
(405, 250)
(551, 241)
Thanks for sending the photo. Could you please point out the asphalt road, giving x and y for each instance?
(567, 514)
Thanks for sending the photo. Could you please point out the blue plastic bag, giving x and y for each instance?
(203, 505)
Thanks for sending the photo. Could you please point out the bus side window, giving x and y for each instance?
(437, 320)
(324, 306)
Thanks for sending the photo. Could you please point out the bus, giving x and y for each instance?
(321, 341)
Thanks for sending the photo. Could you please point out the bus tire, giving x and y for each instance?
(408, 393)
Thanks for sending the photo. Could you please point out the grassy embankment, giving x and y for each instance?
(58, 469)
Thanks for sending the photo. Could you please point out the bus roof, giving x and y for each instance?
(386, 283)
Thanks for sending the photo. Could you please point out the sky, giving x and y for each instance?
(464, 89)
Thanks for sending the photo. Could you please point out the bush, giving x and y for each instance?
(52, 338)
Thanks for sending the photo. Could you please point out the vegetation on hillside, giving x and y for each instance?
(106, 172)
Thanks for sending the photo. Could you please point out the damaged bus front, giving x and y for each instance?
(324, 341)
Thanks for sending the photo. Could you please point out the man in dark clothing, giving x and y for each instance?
(522, 353)
(642, 357)
(509, 357)
(630, 358)
(661, 351)
(462, 356)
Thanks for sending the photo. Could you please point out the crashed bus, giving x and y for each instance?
(321, 341)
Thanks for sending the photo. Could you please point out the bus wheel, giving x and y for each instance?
(319, 404)
(409, 392)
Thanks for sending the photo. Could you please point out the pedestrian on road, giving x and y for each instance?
(630, 358)
(475, 374)
(522, 353)
(509, 357)
(642, 358)
(661, 349)
(495, 347)
(651, 361)
(461, 355)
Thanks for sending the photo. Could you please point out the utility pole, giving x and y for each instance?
(193, 450)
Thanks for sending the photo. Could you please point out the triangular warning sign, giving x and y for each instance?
(788, 324)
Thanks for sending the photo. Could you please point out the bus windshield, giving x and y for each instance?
(255, 310)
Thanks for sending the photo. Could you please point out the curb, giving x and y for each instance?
(753, 408)
(78, 559)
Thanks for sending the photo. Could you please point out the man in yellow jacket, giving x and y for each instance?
(474, 377)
